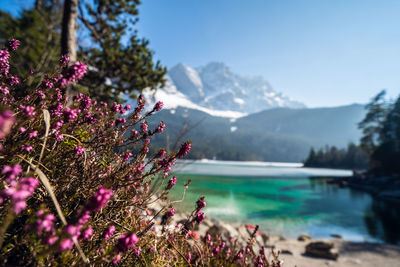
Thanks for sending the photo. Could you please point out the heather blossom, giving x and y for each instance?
(171, 212)
(171, 182)
(29, 111)
(144, 127)
(99, 200)
(200, 216)
(127, 241)
(11, 172)
(19, 192)
(88, 233)
(13, 44)
(12, 80)
(79, 150)
(158, 106)
(4, 90)
(33, 134)
(6, 122)
(45, 222)
(4, 64)
(66, 244)
(64, 60)
(113, 158)
(110, 231)
(184, 150)
(160, 127)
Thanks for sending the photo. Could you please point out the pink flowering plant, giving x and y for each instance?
(77, 179)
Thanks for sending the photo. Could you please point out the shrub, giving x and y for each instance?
(72, 192)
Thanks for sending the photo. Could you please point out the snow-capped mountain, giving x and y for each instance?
(216, 90)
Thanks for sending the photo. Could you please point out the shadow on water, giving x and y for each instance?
(382, 220)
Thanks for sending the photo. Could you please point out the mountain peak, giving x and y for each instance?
(216, 87)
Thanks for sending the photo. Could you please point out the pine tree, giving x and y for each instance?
(387, 153)
(120, 62)
(38, 31)
(372, 124)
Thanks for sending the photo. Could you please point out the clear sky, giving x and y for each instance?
(320, 52)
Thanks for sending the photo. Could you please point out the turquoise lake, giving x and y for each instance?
(286, 199)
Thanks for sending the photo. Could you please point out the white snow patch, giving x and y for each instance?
(233, 128)
(172, 99)
(238, 100)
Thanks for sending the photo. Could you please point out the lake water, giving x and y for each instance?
(286, 199)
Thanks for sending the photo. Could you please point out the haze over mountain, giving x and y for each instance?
(279, 134)
(235, 117)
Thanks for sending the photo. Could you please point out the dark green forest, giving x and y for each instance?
(379, 148)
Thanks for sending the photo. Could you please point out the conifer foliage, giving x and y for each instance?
(119, 62)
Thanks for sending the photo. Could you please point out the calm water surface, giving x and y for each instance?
(287, 199)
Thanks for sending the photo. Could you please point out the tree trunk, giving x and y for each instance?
(68, 34)
(69, 28)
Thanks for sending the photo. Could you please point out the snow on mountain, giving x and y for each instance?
(172, 98)
(216, 90)
(216, 87)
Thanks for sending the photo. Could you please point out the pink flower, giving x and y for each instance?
(51, 240)
(4, 64)
(29, 111)
(44, 223)
(70, 114)
(158, 106)
(13, 44)
(171, 212)
(64, 60)
(137, 251)
(160, 127)
(88, 233)
(6, 122)
(33, 134)
(4, 90)
(116, 259)
(201, 203)
(66, 244)
(72, 230)
(11, 172)
(110, 231)
(19, 192)
(85, 218)
(126, 242)
(27, 148)
(75, 72)
(185, 148)
(126, 156)
(79, 150)
(161, 153)
(12, 80)
(200, 217)
(99, 200)
(144, 127)
(171, 182)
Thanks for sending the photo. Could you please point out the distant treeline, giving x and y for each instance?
(379, 149)
(352, 157)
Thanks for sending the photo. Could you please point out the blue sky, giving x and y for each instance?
(323, 53)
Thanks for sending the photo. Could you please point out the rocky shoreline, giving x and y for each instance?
(304, 251)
